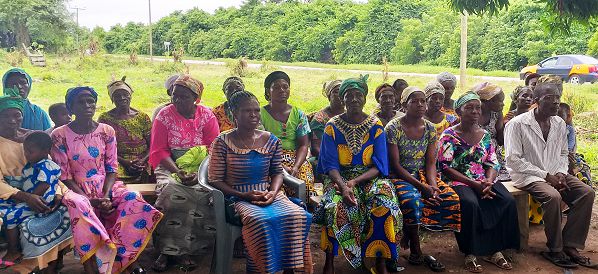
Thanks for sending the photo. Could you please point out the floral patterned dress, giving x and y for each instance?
(116, 238)
(224, 117)
(412, 155)
(370, 229)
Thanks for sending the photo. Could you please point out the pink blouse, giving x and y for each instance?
(170, 130)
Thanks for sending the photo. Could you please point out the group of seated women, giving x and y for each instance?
(420, 160)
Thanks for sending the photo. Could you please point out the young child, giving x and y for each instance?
(577, 164)
(40, 177)
(59, 115)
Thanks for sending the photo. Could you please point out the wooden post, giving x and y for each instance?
(463, 58)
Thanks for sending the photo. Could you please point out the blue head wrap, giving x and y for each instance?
(72, 94)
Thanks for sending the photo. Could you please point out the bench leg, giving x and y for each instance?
(522, 202)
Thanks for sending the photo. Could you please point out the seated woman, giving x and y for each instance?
(491, 120)
(449, 82)
(35, 250)
(290, 125)
(320, 118)
(111, 225)
(522, 100)
(132, 129)
(222, 112)
(359, 210)
(34, 117)
(385, 96)
(467, 160)
(424, 198)
(435, 99)
(178, 128)
(246, 164)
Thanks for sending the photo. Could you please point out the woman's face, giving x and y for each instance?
(525, 99)
(11, 119)
(121, 98)
(20, 82)
(248, 114)
(416, 104)
(387, 99)
(532, 83)
(354, 100)
(334, 98)
(183, 99)
(280, 90)
(470, 112)
(435, 102)
(232, 88)
(449, 89)
(84, 105)
(496, 103)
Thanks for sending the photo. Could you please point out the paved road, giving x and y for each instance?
(257, 66)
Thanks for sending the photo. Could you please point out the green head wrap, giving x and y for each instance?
(11, 99)
(15, 71)
(463, 99)
(360, 84)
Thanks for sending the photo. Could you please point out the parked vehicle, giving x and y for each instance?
(575, 69)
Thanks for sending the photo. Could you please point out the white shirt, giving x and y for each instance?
(529, 157)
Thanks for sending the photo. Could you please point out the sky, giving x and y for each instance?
(107, 13)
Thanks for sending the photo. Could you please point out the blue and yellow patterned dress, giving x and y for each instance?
(370, 229)
(412, 156)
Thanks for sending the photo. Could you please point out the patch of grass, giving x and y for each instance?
(147, 79)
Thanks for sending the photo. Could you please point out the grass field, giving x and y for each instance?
(147, 80)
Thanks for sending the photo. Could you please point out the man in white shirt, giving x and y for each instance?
(536, 154)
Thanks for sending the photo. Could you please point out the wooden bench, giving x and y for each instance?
(36, 58)
(521, 199)
(143, 189)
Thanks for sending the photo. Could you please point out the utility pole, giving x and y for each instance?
(463, 58)
(77, 9)
(149, 4)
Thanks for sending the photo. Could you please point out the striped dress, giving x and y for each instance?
(276, 236)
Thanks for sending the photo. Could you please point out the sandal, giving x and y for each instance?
(6, 264)
(499, 260)
(583, 261)
(161, 263)
(433, 264)
(471, 264)
(560, 260)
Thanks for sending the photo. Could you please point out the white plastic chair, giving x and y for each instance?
(227, 234)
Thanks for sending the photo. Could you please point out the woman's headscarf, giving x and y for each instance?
(360, 84)
(517, 91)
(466, 97)
(407, 92)
(119, 85)
(329, 86)
(273, 77)
(230, 80)
(433, 87)
(446, 77)
(531, 76)
(72, 93)
(191, 83)
(487, 90)
(11, 99)
(382, 88)
(170, 81)
(15, 71)
(554, 79)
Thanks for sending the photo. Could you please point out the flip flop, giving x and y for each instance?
(4, 264)
(583, 261)
(471, 264)
(560, 261)
(499, 260)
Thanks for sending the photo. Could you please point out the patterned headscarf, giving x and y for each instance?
(191, 83)
(119, 85)
(433, 87)
(273, 77)
(15, 71)
(466, 97)
(72, 93)
(555, 79)
(170, 81)
(517, 91)
(407, 92)
(487, 90)
(446, 77)
(360, 84)
(329, 86)
(11, 99)
(382, 88)
(230, 80)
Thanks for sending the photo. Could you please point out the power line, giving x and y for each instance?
(77, 9)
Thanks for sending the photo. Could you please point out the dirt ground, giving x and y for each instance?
(442, 245)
